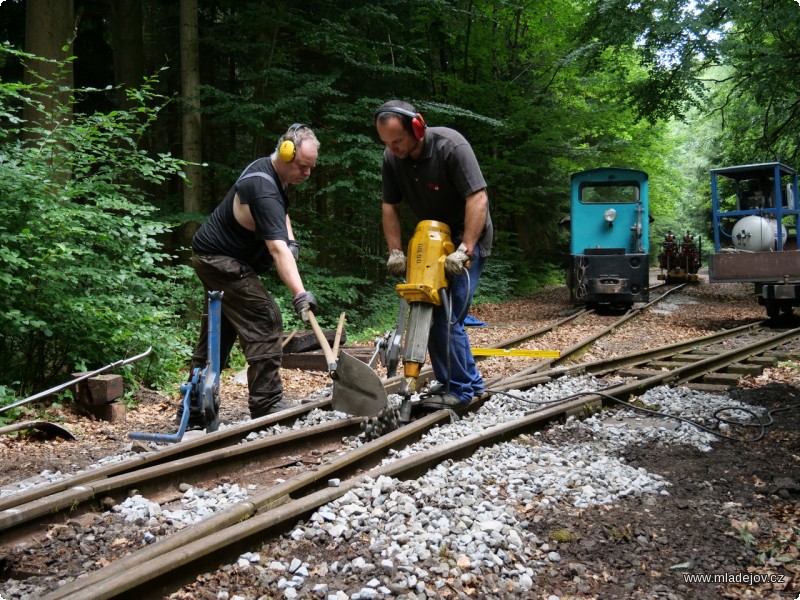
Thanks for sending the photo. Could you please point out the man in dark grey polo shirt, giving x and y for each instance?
(435, 172)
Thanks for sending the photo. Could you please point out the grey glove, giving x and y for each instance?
(396, 265)
(302, 303)
(294, 248)
(455, 263)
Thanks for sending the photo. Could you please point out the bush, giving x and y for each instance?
(83, 279)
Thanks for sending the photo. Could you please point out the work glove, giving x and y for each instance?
(302, 303)
(396, 265)
(294, 248)
(455, 263)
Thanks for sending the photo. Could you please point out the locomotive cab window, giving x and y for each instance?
(611, 192)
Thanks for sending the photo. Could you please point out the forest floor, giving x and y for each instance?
(733, 512)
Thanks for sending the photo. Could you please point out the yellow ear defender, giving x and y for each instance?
(287, 148)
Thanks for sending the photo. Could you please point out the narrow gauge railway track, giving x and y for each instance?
(25, 513)
(703, 362)
(604, 327)
(198, 458)
(224, 536)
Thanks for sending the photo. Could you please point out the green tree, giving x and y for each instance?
(736, 58)
(83, 279)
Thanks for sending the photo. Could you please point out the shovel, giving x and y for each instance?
(357, 389)
(51, 429)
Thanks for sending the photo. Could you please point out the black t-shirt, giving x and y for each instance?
(436, 185)
(222, 234)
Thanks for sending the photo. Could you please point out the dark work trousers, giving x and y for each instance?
(249, 313)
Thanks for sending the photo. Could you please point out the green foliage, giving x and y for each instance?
(499, 280)
(509, 77)
(83, 280)
(378, 314)
(540, 90)
(673, 43)
(729, 58)
(756, 92)
(543, 275)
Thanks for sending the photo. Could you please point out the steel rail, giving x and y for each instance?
(228, 436)
(569, 352)
(524, 337)
(392, 384)
(692, 371)
(614, 363)
(147, 570)
(157, 476)
(224, 437)
(85, 376)
(234, 434)
(549, 364)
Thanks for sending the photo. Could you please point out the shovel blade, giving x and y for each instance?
(357, 389)
(50, 429)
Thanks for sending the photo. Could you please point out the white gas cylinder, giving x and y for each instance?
(756, 234)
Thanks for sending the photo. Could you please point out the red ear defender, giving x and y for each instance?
(418, 125)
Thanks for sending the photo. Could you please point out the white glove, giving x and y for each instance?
(396, 265)
(455, 263)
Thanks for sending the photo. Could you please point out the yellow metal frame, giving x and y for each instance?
(425, 274)
(515, 352)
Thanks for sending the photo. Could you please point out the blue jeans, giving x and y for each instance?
(448, 345)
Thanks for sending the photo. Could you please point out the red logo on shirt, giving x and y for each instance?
(433, 186)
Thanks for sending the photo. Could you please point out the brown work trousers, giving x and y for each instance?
(249, 313)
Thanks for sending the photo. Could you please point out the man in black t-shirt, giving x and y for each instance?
(248, 232)
(435, 172)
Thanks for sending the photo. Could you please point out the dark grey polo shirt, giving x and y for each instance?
(435, 186)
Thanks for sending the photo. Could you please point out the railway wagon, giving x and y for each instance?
(754, 214)
(609, 226)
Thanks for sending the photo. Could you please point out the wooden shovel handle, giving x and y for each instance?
(338, 337)
(288, 338)
(330, 357)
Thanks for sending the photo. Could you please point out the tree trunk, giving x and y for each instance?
(49, 27)
(126, 31)
(190, 91)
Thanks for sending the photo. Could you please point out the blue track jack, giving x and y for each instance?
(202, 390)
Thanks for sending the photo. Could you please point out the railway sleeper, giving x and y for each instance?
(763, 359)
(660, 365)
(729, 379)
(746, 369)
(709, 388)
(637, 373)
(687, 358)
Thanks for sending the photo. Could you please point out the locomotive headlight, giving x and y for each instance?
(610, 215)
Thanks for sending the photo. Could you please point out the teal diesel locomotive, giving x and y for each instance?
(609, 251)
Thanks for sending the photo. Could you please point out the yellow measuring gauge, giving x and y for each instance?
(515, 352)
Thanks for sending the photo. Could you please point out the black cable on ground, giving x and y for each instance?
(760, 425)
